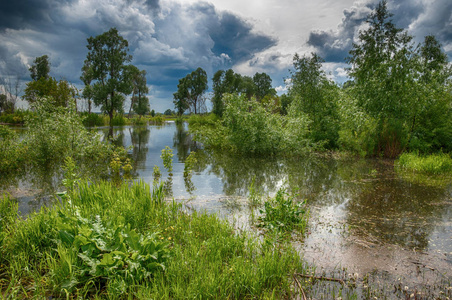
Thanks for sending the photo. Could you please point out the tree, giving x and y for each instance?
(139, 102)
(105, 67)
(314, 95)
(383, 65)
(263, 86)
(190, 90)
(61, 91)
(40, 68)
(224, 82)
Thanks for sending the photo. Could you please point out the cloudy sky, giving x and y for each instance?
(171, 38)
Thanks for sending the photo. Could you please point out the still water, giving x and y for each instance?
(365, 216)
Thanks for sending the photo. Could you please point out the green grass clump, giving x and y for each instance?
(440, 163)
(282, 213)
(157, 120)
(120, 242)
(118, 120)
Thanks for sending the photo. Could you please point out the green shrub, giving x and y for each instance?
(13, 153)
(118, 120)
(92, 119)
(157, 120)
(17, 118)
(139, 120)
(57, 132)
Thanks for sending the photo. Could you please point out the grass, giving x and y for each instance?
(439, 163)
(108, 242)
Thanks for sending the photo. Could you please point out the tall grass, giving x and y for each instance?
(103, 241)
(439, 163)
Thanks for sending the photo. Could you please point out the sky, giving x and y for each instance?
(171, 38)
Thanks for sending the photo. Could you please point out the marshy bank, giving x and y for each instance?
(386, 233)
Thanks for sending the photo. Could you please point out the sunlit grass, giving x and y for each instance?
(439, 163)
(62, 251)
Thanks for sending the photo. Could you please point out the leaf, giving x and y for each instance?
(66, 237)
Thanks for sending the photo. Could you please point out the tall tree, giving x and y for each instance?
(314, 95)
(190, 90)
(382, 65)
(139, 90)
(61, 91)
(263, 86)
(40, 68)
(107, 59)
(224, 82)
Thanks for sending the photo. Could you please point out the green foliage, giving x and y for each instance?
(109, 241)
(71, 175)
(17, 119)
(190, 90)
(105, 70)
(61, 91)
(358, 130)
(12, 151)
(40, 68)
(189, 164)
(228, 82)
(118, 120)
(57, 132)
(314, 96)
(205, 120)
(8, 215)
(433, 164)
(284, 214)
(139, 121)
(263, 86)
(167, 158)
(92, 119)
(249, 127)
(105, 251)
(404, 88)
(157, 120)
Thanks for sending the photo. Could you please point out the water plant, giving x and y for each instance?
(167, 158)
(282, 213)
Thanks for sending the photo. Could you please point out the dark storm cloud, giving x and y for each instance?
(235, 37)
(417, 17)
(20, 14)
(332, 45)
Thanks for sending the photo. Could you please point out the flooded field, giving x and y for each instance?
(370, 224)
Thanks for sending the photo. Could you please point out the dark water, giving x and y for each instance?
(365, 215)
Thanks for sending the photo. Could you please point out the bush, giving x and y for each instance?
(157, 120)
(57, 132)
(248, 127)
(12, 151)
(92, 119)
(118, 120)
(139, 120)
(17, 118)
